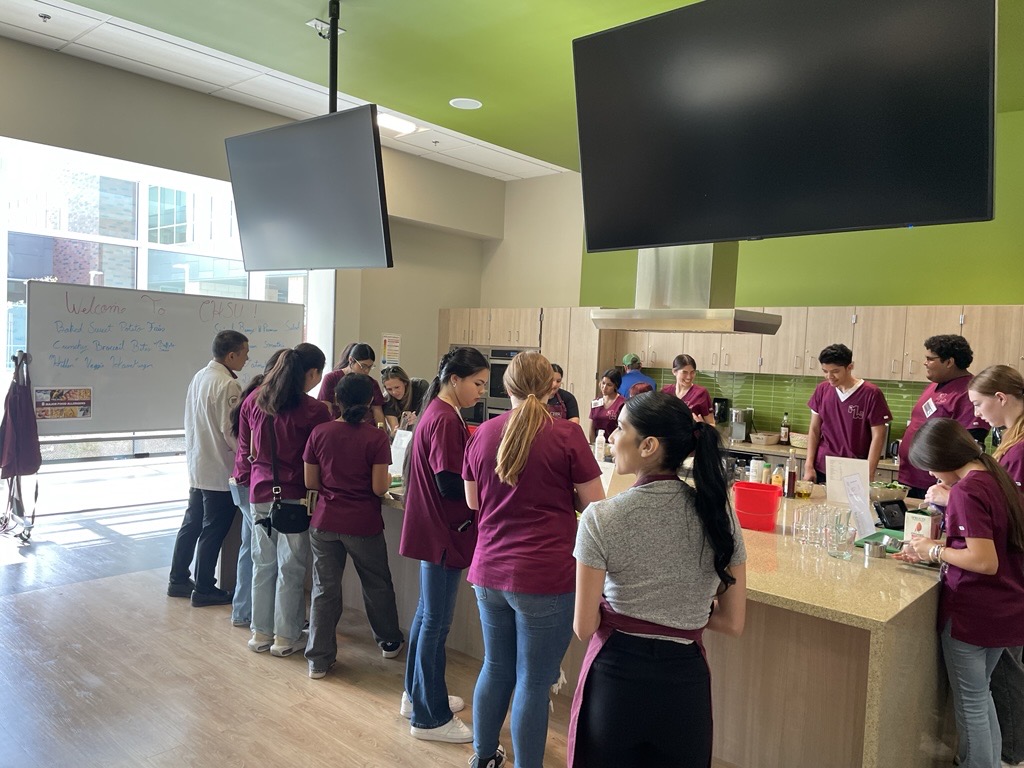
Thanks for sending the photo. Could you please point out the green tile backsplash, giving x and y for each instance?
(771, 395)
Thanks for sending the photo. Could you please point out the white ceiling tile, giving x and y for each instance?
(266, 105)
(433, 141)
(30, 37)
(63, 24)
(130, 44)
(139, 68)
(408, 149)
(273, 88)
(466, 166)
(499, 161)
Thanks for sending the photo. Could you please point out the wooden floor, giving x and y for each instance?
(105, 670)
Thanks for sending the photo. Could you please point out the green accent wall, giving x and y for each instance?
(975, 263)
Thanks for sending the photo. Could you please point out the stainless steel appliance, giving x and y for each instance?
(740, 422)
(495, 400)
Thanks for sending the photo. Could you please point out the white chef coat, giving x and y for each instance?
(209, 444)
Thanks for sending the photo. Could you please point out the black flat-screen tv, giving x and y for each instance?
(747, 119)
(310, 195)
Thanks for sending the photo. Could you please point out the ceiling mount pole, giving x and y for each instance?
(334, 11)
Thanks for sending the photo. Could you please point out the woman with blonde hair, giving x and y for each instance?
(526, 473)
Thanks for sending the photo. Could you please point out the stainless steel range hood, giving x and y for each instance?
(689, 288)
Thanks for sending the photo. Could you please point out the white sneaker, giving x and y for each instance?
(260, 643)
(455, 704)
(282, 647)
(454, 732)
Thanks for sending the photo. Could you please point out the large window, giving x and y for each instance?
(77, 218)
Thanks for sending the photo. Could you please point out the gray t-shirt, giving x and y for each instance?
(649, 540)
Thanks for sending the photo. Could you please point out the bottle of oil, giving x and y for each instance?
(791, 473)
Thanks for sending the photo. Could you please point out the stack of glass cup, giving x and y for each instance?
(826, 526)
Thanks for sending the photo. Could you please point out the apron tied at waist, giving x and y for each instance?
(610, 623)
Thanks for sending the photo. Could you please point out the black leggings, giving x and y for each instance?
(646, 703)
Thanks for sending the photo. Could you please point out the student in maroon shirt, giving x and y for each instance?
(848, 416)
(696, 397)
(241, 603)
(981, 603)
(946, 360)
(439, 530)
(280, 559)
(604, 411)
(347, 462)
(357, 358)
(997, 394)
(526, 473)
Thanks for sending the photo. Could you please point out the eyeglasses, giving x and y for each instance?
(931, 358)
(365, 366)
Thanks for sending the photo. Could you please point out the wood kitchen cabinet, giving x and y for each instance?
(502, 327)
(705, 349)
(663, 347)
(923, 322)
(784, 352)
(878, 334)
(828, 325)
(458, 326)
(627, 342)
(741, 352)
(526, 327)
(582, 364)
(554, 334)
(995, 335)
(479, 326)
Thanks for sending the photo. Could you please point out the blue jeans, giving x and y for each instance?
(425, 658)
(241, 605)
(279, 563)
(525, 638)
(970, 670)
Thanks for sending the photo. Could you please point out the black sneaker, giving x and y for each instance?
(498, 761)
(214, 597)
(391, 650)
(181, 589)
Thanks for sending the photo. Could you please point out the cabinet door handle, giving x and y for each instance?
(910, 366)
(796, 363)
(726, 361)
(510, 335)
(517, 337)
(714, 358)
(654, 356)
(892, 366)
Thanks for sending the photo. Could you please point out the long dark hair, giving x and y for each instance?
(613, 376)
(354, 394)
(944, 445)
(250, 388)
(666, 417)
(461, 362)
(359, 352)
(343, 360)
(285, 384)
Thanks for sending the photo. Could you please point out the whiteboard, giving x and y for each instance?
(137, 351)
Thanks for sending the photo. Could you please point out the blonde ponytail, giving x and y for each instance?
(528, 378)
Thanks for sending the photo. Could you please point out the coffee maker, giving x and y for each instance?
(720, 410)
(740, 420)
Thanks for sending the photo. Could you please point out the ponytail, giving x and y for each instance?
(666, 417)
(285, 384)
(354, 395)
(254, 382)
(528, 378)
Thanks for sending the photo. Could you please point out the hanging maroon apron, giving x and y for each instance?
(610, 623)
(556, 407)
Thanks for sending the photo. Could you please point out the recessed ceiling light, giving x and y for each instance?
(466, 103)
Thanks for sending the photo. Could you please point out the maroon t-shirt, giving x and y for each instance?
(291, 431)
(527, 531)
(346, 454)
(430, 526)
(330, 383)
(607, 418)
(987, 611)
(938, 401)
(1013, 462)
(846, 424)
(242, 466)
(696, 398)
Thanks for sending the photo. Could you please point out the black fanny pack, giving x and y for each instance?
(284, 517)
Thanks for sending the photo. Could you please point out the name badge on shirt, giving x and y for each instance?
(597, 403)
(928, 408)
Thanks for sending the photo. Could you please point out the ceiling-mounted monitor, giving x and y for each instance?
(310, 195)
(747, 119)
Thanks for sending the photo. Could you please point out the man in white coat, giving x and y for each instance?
(210, 455)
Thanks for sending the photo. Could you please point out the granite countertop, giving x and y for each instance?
(786, 574)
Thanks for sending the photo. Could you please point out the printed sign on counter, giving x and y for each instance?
(847, 483)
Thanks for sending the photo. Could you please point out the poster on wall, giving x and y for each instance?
(65, 403)
(392, 345)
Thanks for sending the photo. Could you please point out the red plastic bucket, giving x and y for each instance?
(757, 505)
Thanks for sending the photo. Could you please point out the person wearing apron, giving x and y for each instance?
(562, 404)
(656, 566)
